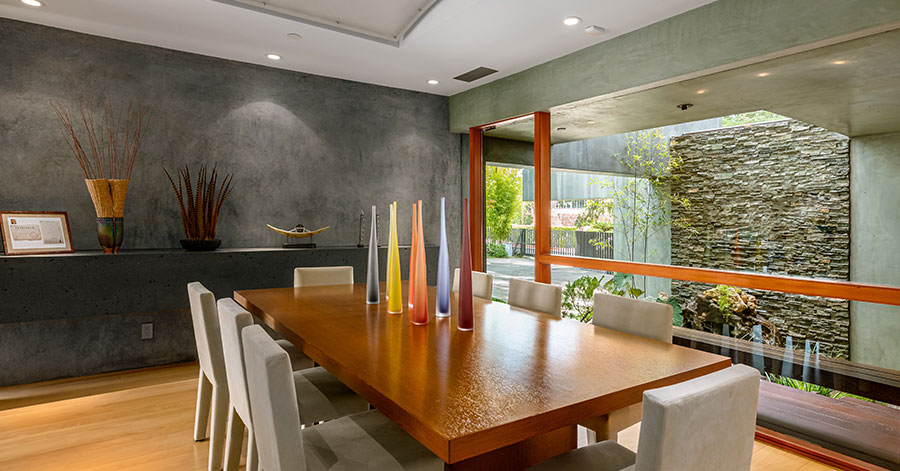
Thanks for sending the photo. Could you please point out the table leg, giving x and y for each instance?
(519, 456)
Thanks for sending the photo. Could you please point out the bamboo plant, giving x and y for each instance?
(200, 202)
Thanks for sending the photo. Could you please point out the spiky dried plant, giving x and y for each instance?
(113, 140)
(201, 202)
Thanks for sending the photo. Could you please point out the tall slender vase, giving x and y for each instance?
(420, 308)
(411, 285)
(442, 303)
(395, 292)
(372, 273)
(466, 322)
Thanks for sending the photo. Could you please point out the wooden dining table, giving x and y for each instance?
(505, 395)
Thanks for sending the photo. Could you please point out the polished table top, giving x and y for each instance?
(462, 394)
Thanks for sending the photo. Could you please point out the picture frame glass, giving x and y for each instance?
(30, 233)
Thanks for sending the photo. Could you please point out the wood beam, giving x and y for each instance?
(541, 195)
(476, 197)
(880, 294)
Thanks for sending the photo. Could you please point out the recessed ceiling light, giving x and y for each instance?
(274, 57)
(572, 21)
(294, 36)
(684, 106)
(594, 30)
(701, 92)
(433, 82)
(591, 122)
(763, 74)
(33, 3)
(839, 62)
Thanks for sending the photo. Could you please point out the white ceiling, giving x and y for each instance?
(454, 37)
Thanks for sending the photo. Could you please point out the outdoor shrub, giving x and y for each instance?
(578, 298)
(496, 251)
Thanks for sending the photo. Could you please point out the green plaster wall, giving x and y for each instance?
(875, 246)
(715, 35)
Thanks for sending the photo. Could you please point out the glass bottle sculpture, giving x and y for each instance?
(420, 307)
(411, 284)
(466, 322)
(395, 292)
(442, 303)
(372, 272)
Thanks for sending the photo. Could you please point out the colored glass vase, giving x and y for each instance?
(372, 272)
(411, 284)
(466, 306)
(395, 293)
(420, 306)
(442, 303)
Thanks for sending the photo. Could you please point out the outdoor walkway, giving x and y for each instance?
(505, 268)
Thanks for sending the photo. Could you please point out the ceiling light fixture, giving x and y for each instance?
(701, 92)
(274, 57)
(763, 74)
(591, 122)
(684, 106)
(33, 3)
(294, 36)
(839, 62)
(433, 82)
(571, 21)
(560, 129)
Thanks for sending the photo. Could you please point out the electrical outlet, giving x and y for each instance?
(147, 331)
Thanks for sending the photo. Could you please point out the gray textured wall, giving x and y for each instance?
(769, 198)
(303, 148)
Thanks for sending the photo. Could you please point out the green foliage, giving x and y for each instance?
(503, 200)
(594, 217)
(496, 251)
(578, 298)
(809, 387)
(677, 317)
(622, 284)
(498, 300)
(751, 117)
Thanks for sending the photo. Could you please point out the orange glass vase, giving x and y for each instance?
(420, 307)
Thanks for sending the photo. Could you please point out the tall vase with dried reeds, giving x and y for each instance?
(200, 204)
(113, 141)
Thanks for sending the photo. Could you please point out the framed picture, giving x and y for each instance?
(26, 233)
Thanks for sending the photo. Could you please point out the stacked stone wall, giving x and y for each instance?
(769, 198)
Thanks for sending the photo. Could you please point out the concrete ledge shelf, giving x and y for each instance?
(81, 313)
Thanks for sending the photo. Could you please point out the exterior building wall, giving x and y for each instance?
(769, 198)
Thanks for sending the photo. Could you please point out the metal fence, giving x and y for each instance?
(562, 242)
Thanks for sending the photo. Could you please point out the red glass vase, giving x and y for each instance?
(466, 322)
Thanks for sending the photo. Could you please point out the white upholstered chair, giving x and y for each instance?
(322, 396)
(539, 297)
(321, 276)
(365, 441)
(633, 316)
(482, 284)
(704, 424)
(212, 390)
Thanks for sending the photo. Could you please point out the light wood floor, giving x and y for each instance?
(143, 420)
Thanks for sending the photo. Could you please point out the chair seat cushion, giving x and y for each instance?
(299, 360)
(365, 441)
(321, 396)
(603, 456)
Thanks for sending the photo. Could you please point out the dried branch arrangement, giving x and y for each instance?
(113, 140)
(201, 202)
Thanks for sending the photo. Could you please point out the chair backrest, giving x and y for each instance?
(633, 316)
(540, 297)
(704, 424)
(482, 284)
(206, 332)
(320, 276)
(232, 320)
(273, 402)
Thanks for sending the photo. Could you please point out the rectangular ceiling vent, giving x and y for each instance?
(475, 74)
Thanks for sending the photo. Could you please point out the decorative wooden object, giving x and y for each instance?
(114, 143)
(420, 307)
(394, 291)
(442, 305)
(517, 376)
(372, 296)
(465, 275)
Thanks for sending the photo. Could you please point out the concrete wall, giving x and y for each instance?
(725, 32)
(874, 254)
(769, 198)
(303, 148)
